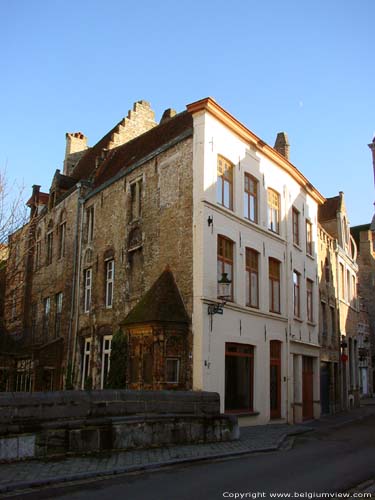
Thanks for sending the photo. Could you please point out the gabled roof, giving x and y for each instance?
(329, 209)
(140, 147)
(162, 303)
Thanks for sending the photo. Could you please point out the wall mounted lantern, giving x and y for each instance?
(223, 287)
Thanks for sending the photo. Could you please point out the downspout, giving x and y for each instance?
(78, 281)
(70, 359)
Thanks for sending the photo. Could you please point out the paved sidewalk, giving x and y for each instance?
(33, 473)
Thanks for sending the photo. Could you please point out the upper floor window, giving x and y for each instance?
(58, 312)
(251, 198)
(109, 279)
(274, 285)
(87, 289)
(62, 235)
(86, 359)
(342, 281)
(252, 278)
(225, 261)
(46, 315)
(309, 238)
(38, 249)
(49, 244)
(309, 300)
(296, 293)
(348, 286)
(273, 200)
(224, 182)
(295, 223)
(327, 271)
(90, 223)
(136, 199)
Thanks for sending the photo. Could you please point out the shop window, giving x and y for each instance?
(239, 377)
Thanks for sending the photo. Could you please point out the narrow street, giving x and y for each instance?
(332, 460)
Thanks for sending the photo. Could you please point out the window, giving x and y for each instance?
(87, 289)
(62, 235)
(90, 224)
(309, 241)
(309, 300)
(225, 261)
(34, 313)
(324, 318)
(239, 377)
(295, 223)
(274, 285)
(86, 361)
(106, 359)
(109, 278)
(46, 314)
(136, 199)
(24, 376)
(342, 281)
(296, 293)
(273, 199)
(251, 198)
(172, 370)
(354, 291)
(49, 246)
(38, 249)
(327, 271)
(252, 278)
(348, 286)
(224, 182)
(58, 311)
(333, 321)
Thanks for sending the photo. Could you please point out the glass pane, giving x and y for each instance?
(246, 206)
(219, 189)
(247, 287)
(276, 295)
(227, 194)
(252, 208)
(254, 289)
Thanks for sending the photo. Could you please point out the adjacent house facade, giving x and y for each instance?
(202, 245)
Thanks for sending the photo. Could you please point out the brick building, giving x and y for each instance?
(142, 232)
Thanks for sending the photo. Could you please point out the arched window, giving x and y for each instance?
(62, 234)
(49, 243)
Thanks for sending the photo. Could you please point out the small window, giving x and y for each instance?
(309, 300)
(273, 199)
(86, 361)
(87, 289)
(342, 281)
(224, 182)
(172, 370)
(225, 261)
(136, 199)
(110, 272)
(106, 359)
(324, 319)
(46, 316)
(295, 222)
(58, 312)
(62, 240)
(49, 245)
(296, 293)
(252, 278)
(251, 198)
(274, 285)
(309, 239)
(90, 223)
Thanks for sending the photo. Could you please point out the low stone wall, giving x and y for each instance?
(58, 423)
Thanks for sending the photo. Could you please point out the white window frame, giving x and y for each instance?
(87, 289)
(178, 370)
(86, 360)
(109, 282)
(106, 352)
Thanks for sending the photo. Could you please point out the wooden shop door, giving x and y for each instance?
(275, 379)
(307, 388)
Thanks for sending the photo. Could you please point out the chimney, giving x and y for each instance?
(168, 114)
(76, 145)
(282, 144)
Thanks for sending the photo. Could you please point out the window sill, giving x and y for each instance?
(310, 256)
(297, 318)
(297, 247)
(311, 323)
(245, 413)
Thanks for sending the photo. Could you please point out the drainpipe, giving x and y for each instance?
(77, 238)
(78, 280)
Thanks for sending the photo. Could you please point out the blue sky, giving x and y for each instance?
(303, 67)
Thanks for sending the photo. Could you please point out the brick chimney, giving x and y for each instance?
(282, 144)
(76, 145)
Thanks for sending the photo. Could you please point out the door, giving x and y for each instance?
(324, 387)
(307, 388)
(275, 379)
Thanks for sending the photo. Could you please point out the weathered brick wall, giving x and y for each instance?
(165, 236)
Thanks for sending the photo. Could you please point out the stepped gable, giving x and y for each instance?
(162, 303)
(128, 154)
(328, 210)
